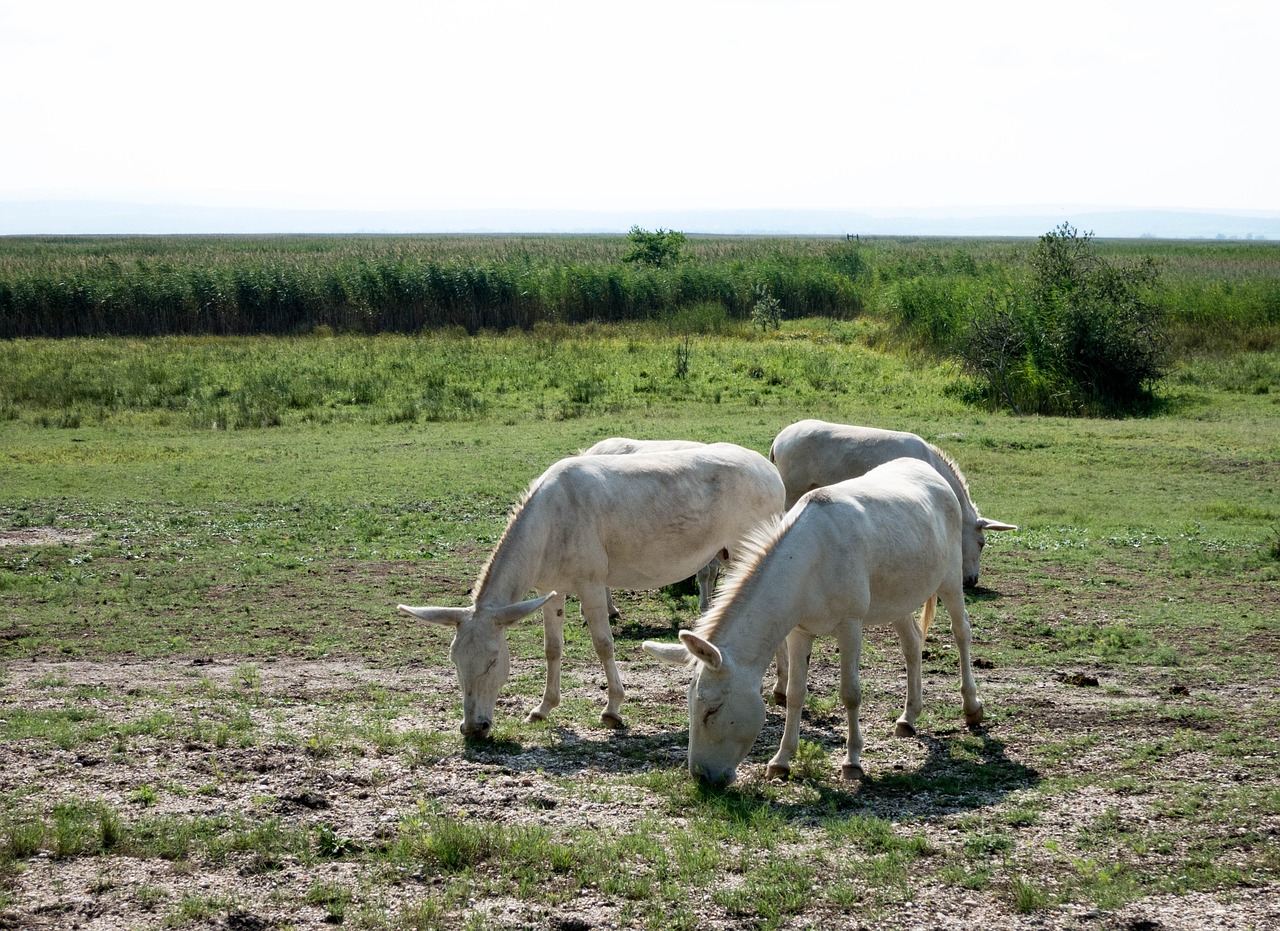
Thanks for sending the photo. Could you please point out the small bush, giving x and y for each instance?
(932, 307)
(1028, 897)
(21, 837)
(766, 312)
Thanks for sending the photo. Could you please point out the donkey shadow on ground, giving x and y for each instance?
(958, 774)
(963, 770)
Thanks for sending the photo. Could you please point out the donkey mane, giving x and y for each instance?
(739, 578)
(953, 466)
(516, 510)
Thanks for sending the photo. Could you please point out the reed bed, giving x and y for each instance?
(269, 285)
(1218, 294)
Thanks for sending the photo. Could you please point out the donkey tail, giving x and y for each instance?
(926, 616)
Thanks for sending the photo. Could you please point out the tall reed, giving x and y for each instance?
(244, 285)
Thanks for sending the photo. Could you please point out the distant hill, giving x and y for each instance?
(92, 217)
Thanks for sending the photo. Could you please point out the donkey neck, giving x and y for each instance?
(753, 636)
(766, 602)
(514, 565)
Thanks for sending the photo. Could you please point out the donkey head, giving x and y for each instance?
(726, 712)
(479, 652)
(972, 541)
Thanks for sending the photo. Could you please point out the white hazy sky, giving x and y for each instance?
(691, 104)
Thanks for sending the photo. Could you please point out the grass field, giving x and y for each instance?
(210, 715)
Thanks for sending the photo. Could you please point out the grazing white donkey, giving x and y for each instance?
(589, 523)
(870, 550)
(813, 453)
(625, 446)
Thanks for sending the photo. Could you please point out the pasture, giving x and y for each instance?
(211, 716)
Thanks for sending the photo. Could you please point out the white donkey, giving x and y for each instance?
(870, 550)
(589, 523)
(813, 453)
(625, 446)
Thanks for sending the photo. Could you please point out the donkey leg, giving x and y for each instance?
(553, 649)
(912, 643)
(595, 611)
(851, 695)
(614, 613)
(953, 598)
(799, 647)
(780, 686)
(707, 577)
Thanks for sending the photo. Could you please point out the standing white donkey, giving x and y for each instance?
(590, 523)
(870, 550)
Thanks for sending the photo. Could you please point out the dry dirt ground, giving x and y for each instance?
(43, 536)
(296, 707)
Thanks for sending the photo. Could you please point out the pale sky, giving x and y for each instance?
(691, 104)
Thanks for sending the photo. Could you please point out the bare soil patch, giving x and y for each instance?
(304, 759)
(44, 536)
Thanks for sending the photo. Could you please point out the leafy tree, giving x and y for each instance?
(659, 249)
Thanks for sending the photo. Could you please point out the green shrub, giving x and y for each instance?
(1084, 337)
(766, 312)
(661, 248)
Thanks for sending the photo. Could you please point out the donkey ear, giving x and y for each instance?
(986, 524)
(672, 653)
(447, 617)
(701, 650)
(504, 617)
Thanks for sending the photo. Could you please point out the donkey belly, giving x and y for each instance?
(657, 570)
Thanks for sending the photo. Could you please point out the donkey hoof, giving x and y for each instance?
(778, 771)
(611, 720)
(974, 718)
(535, 716)
(851, 772)
(903, 729)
